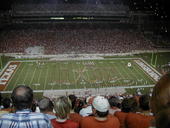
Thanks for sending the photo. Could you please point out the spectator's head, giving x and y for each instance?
(73, 99)
(6, 103)
(79, 105)
(100, 106)
(144, 102)
(161, 94)
(163, 119)
(129, 105)
(62, 107)
(89, 100)
(114, 102)
(22, 97)
(45, 105)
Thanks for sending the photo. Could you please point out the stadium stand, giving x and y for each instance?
(76, 39)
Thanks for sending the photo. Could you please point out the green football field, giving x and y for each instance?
(75, 74)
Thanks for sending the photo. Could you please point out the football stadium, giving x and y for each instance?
(48, 48)
(85, 48)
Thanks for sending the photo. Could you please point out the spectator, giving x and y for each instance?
(144, 102)
(160, 101)
(73, 115)
(62, 107)
(7, 108)
(87, 110)
(22, 98)
(100, 119)
(79, 105)
(64, 39)
(161, 94)
(115, 105)
(128, 105)
(46, 106)
(140, 119)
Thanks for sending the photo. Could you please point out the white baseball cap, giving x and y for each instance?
(101, 104)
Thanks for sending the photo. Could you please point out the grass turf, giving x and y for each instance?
(53, 75)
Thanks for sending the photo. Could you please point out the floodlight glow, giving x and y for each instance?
(57, 18)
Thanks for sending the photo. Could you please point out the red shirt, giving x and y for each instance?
(91, 122)
(121, 116)
(75, 117)
(66, 124)
(137, 120)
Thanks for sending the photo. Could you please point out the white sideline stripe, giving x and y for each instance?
(124, 87)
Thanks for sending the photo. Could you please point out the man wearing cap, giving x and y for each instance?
(101, 119)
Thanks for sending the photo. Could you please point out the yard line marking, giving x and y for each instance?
(46, 75)
(26, 74)
(75, 84)
(20, 73)
(39, 77)
(32, 76)
(121, 67)
(134, 74)
(59, 79)
(112, 72)
(129, 73)
(144, 77)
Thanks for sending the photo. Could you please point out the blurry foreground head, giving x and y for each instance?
(62, 107)
(163, 118)
(22, 97)
(161, 94)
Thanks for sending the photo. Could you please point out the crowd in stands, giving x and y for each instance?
(141, 111)
(77, 39)
(51, 9)
(100, 7)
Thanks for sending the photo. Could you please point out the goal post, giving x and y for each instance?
(1, 62)
(154, 58)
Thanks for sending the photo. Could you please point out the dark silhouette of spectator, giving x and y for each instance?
(73, 115)
(79, 105)
(22, 98)
(129, 105)
(115, 105)
(144, 102)
(7, 106)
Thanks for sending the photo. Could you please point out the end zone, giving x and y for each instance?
(7, 73)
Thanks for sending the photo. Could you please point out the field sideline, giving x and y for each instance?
(79, 74)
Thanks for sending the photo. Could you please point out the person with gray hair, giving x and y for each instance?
(22, 98)
(46, 106)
